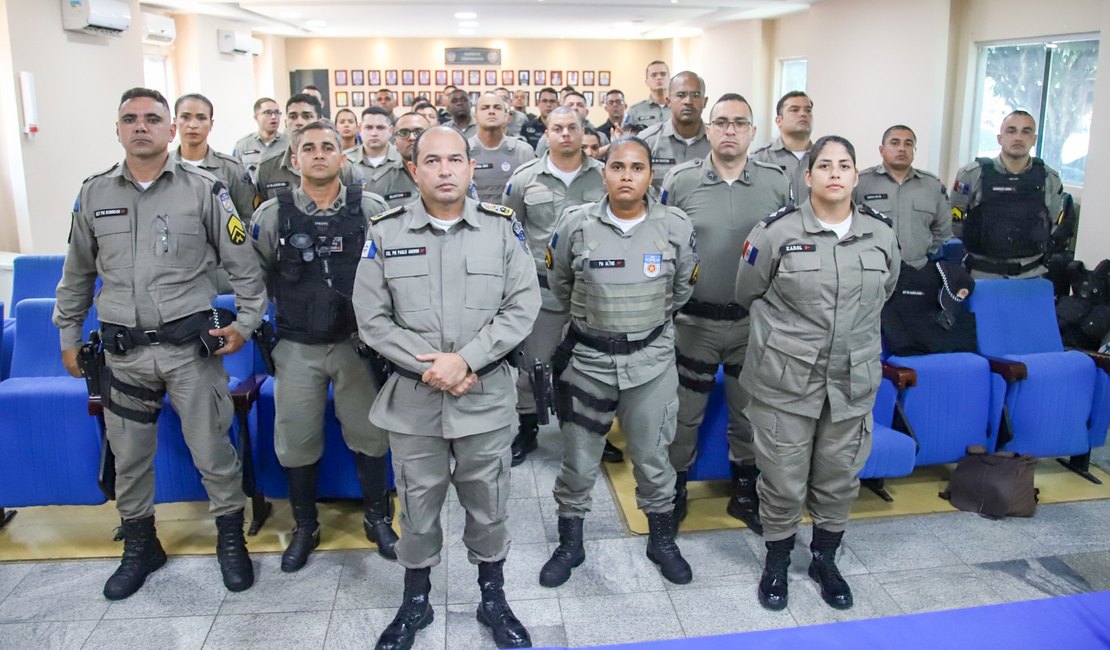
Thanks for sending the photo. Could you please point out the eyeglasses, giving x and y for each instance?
(271, 113)
(692, 94)
(408, 133)
(740, 124)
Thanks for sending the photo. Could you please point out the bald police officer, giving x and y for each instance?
(264, 143)
(577, 101)
(1009, 205)
(654, 109)
(496, 155)
(539, 192)
(682, 137)
(153, 229)
(392, 180)
(794, 119)
(446, 290)
(914, 199)
(725, 195)
(309, 242)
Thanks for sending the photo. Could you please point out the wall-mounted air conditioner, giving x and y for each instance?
(110, 17)
(231, 42)
(158, 29)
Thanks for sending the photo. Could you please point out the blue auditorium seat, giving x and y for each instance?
(711, 462)
(33, 276)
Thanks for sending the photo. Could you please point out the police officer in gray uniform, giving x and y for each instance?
(577, 101)
(1008, 205)
(654, 109)
(392, 180)
(153, 229)
(622, 267)
(725, 195)
(264, 143)
(815, 279)
(458, 105)
(914, 199)
(193, 115)
(682, 137)
(496, 155)
(376, 150)
(309, 243)
(794, 119)
(517, 119)
(539, 192)
(446, 290)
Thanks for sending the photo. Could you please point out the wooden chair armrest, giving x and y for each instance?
(900, 376)
(1009, 370)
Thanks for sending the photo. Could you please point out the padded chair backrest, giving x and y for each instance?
(35, 276)
(36, 352)
(1015, 317)
(241, 364)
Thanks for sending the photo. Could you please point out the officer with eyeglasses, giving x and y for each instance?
(392, 181)
(725, 195)
(615, 107)
(681, 138)
(264, 143)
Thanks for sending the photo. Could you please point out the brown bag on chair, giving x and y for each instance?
(993, 485)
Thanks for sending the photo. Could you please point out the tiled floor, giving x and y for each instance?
(344, 599)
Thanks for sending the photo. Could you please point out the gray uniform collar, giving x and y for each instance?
(306, 205)
(779, 145)
(211, 160)
(859, 227)
(710, 175)
(600, 211)
(418, 215)
(121, 170)
(667, 131)
(587, 163)
(881, 169)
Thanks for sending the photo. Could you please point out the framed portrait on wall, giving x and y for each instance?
(523, 77)
(540, 77)
(408, 98)
(439, 98)
(357, 78)
(474, 95)
(589, 95)
(603, 78)
(491, 77)
(373, 77)
(408, 78)
(572, 77)
(507, 78)
(536, 99)
(341, 99)
(424, 78)
(391, 77)
(587, 77)
(358, 99)
(441, 77)
(556, 78)
(341, 77)
(474, 78)
(458, 77)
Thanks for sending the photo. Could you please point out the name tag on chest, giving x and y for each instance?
(397, 195)
(109, 212)
(405, 252)
(481, 166)
(606, 264)
(874, 197)
(663, 161)
(798, 248)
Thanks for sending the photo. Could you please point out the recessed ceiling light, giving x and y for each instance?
(467, 24)
(314, 24)
(466, 15)
(290, 14)
(466, 32)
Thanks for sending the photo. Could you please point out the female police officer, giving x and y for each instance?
(622, 267)
(815, 279)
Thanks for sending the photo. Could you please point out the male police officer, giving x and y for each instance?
(539, 192)
(682, 137)
(152, 229)
(193, 115)
(535, 128)
(309, 242)
(386, 100)
(376, 150)
(655, 108)
(392, 181)
(496, 155)
(577, 101)
(725, 195)
(255, 147)
(913, 198)
(517, 118)
(794, 119)
(277, 173)
(445, 291)
(1009, 205)
(458, 105)
(615, 108)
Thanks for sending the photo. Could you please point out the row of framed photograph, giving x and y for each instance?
(358, 98)
(507, 78)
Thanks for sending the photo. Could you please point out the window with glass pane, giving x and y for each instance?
(1068, 106)
(793, 76)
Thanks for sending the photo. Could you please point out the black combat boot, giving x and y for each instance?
(612, 453)
(525, 441)
(494, 612)
(772, 586)
(680, 495)
(834, 589)
(142, 556)
(744, 502)
(231, 552)
(376, 520)
(415, 613)
(662, 550)
(567, 555)
(306, 529)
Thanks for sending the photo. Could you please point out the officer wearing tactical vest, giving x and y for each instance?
(496, 155)
(914, 199)
(621, 267)
(152, 229)
(794, 119)
(539, 192)
(277, 173)
(1009, 205)
(725, 195)
(814, 279)
(682, 137)
(392, 180)
(445, 291)
(309, 242)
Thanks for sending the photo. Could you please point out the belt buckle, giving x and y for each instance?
(152, 336)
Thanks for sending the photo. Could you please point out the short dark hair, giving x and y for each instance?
(419, 106)
(335, 118)
(262, 100)
(438, 127)
(383, 90)
(575, 93)
(501, 88)
(631, 139)
(825, 141)
(376, 110)
(897, 127)
(149, 93)
(790, 95)
(318, 125)
(548, 89)
(305, 98)
(311, 87)
(197, 96)
(615, 92)
(732, 97)
(565, 110)
(655, 62)
(589, 130)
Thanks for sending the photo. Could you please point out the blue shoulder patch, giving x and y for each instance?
(369, 249)
(509, 189)
(554, 240)
(77, 203)
(663, 198)
(255, 230)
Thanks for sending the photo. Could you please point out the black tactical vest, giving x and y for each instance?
(1011, 219)
(316, 270)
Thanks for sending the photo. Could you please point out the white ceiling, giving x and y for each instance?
(576, 19)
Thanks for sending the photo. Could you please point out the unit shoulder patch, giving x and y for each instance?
(497, 210)
(872, 212)
(387, 214)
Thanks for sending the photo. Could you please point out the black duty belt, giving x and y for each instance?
(975, 263)
(714, 311)
(417, 376)
(118, 339)
(613, 345)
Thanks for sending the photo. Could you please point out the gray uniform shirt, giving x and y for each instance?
(393, 182)
(234, 176)
(494, 167)
(815, 303)
(539, 198)
(776, 153)
(358, 157)
(542, 146)
(516, 123)
(646, 112)
(155, 251)
(276, 174)
(599, 273)
(470, 290)
(918, 207)
(251, 150)
(668, 149)
(723, 214)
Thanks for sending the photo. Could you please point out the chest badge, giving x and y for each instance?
(506, 166)
(653, 264)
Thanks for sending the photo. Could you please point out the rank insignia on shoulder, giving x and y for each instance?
(548, 258)
(694, 273)
(518, 230)
(369, 249)
(235, 229)
(872, 212)
(387, 214)
(496, 210)
(779, 214)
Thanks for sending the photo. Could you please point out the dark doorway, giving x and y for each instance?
(300, 78)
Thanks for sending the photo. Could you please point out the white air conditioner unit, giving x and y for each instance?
(256, 46)
(231, 42)
(158, 29)
(110, 17)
